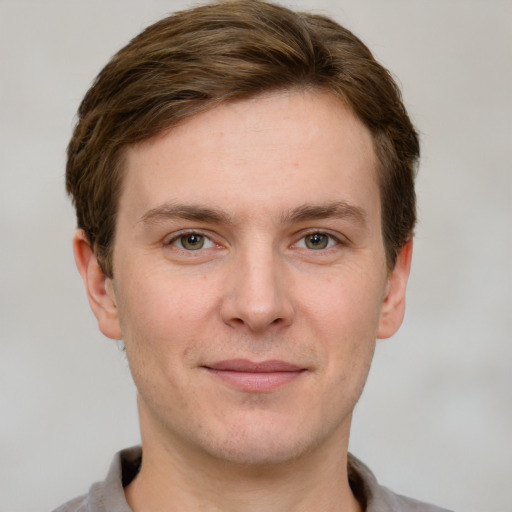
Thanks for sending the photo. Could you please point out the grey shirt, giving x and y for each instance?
(108, 496)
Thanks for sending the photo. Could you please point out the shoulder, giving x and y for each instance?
(108, 495)
(378, 498)
(399, 503)
(75, 505)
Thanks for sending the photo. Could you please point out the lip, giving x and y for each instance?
(251, 376)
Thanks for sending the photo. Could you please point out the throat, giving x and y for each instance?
(274, 488)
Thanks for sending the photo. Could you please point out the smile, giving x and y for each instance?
(250, 376)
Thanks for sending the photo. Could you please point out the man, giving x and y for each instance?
(243, 177)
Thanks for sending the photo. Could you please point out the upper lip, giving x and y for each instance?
(247, 366)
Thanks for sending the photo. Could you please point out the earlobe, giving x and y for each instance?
(393, 306)
(98, 286)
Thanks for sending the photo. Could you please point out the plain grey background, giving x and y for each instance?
(435, 420)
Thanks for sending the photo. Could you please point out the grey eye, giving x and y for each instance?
(192, 241)
(317, 241)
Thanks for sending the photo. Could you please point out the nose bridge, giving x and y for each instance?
(258, 295)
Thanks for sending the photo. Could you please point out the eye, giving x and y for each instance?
(192, 242)
(317, 241)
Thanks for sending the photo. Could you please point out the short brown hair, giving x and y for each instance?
(193, 60)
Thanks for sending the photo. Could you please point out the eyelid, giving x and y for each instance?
(174, 237)
(337, 238)
(320, 231)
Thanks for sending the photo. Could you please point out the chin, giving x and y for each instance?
(260, 444)
(261, 453)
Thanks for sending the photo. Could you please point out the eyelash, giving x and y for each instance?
(179, 236)
(331, 241)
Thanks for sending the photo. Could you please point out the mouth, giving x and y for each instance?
(253, 376)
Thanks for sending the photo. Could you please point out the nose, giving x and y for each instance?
(258, 293)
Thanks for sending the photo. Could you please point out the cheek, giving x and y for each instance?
(150, 297)
(348, 303)
(163, 315)
(155, 341)
(345, 320)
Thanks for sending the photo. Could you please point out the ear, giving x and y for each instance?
(100, 291)
(393, 306)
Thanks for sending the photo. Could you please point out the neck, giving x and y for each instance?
(182, 479)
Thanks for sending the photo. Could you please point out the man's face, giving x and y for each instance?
(250, 277)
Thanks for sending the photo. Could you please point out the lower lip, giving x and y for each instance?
(256, 381)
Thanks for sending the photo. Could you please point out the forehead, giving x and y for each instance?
(272, 150)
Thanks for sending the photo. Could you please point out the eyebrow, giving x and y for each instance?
(184, 211)
(302, 213)
(337, 209)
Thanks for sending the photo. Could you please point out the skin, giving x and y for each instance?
(281, 190)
